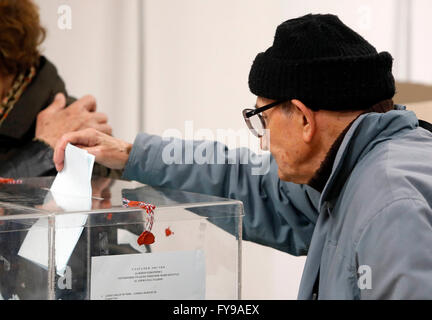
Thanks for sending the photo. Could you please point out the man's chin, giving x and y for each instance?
(289, 177)
(284, 177)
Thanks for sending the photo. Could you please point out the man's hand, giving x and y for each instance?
(57, 120)
(110, 152)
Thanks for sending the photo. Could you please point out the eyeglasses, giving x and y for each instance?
(254, 119)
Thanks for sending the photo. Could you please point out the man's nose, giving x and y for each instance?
(265, 141)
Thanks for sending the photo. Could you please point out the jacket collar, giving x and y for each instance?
(366, 132)
(39, 93)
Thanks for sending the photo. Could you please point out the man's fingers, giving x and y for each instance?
(85, 103)
(59, 153)
(100, 123)
(100, 117)
(58, 103)
(85, 138)
(105, 128)
(110, 152)
(89, 103)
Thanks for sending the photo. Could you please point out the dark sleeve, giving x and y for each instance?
(31, 159)
(34, 159)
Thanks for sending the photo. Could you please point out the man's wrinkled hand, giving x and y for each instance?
(56, 119)
(109, 151)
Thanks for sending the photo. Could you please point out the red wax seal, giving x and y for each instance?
(168, 232)
(9, 181)
(134, 204)
(146, 238)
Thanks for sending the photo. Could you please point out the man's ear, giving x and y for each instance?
(308, 120)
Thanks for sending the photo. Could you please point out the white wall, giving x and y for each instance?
(99, 55)
(421, 52)
(197, 56)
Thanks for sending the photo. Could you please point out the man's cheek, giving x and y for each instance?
(285, 161)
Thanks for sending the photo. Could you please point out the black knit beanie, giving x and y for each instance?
(320, 61)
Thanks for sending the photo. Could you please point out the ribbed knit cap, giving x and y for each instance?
(320, 61)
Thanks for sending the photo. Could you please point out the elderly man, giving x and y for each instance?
(350, 180)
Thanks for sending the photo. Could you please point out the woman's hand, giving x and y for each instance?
(110, 152)
(56, 120)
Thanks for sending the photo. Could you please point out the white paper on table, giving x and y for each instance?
(161, 275)
(71, 190)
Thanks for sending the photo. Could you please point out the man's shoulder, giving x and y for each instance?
(398, 165)
(395, 171)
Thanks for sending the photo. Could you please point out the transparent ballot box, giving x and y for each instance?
(113, 247)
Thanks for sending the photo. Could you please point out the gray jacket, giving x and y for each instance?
(367, 236)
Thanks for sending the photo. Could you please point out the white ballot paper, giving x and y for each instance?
(149, 276)
(71, 190)
(75, 178)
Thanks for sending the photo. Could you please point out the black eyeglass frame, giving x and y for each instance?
(248, 113)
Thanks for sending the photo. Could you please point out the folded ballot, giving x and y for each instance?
(75, 178)
(70, 191)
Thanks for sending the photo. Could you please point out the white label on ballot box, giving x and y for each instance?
(161, 275)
